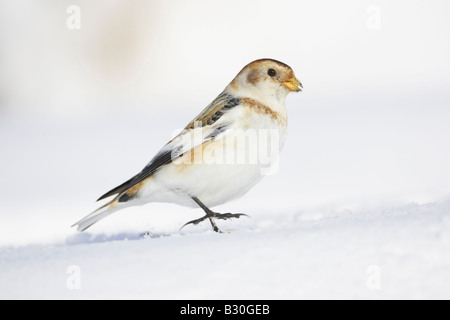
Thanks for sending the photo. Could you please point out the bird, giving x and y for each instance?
(216, 157)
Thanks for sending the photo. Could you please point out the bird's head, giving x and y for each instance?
(266, 78)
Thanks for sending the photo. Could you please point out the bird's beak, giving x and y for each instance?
(293, 84)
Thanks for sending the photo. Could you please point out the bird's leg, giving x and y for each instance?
(211, 214)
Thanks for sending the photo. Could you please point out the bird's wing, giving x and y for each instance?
(164, 156)
(214, 110)
(206, 126)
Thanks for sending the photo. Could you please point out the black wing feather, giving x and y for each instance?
(162, 158)
(116, 190)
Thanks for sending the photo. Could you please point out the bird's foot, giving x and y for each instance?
(210, 216)
(225, 216)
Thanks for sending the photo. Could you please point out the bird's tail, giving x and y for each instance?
(97, 215)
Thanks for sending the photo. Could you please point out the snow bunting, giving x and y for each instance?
(217, 157)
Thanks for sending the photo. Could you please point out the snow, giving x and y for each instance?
(360, 205)
(289, 257)
(354, 212)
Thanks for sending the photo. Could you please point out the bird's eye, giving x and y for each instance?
(271, 72)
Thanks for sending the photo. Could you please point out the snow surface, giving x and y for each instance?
(287, 257)
(354, 212)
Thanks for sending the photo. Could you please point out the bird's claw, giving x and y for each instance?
(221, 216)
(225, 216)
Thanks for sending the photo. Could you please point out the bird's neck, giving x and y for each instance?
(275, 101)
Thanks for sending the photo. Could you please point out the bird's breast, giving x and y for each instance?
(262, 114)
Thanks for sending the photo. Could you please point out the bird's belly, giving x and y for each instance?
(220, 170)
(216, 184)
